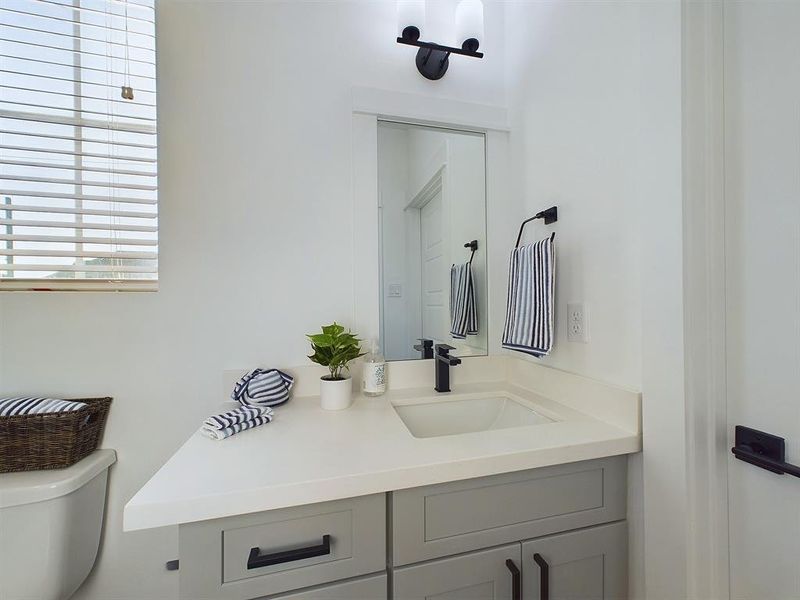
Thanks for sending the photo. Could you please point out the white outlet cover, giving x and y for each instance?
(395, 290)
(577, 323)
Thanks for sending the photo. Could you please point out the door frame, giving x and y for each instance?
(707, 436)
(435, 184)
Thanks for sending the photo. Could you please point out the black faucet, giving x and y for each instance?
(443, 363)
(426, 347)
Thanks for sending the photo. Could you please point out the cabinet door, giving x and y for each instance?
(477, 576)
(589, 564)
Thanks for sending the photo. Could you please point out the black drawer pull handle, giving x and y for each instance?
(516, 580)
(256, 560)
(544, 578)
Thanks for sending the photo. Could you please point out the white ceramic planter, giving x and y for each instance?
(335, 394)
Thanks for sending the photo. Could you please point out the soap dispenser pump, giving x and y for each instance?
(374, 371)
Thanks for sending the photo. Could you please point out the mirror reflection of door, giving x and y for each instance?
(432, 190)
(435, 313)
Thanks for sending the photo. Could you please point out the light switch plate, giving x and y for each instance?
(577, 323)
(395, 290)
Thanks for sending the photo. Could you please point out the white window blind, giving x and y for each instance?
(78, 177)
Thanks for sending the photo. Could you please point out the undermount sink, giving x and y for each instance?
(451, 416)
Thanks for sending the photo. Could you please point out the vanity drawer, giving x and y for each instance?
(262, 554)
(374, 587)
(450, 518)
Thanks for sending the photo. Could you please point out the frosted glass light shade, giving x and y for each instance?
(410, 13)
(469, 24)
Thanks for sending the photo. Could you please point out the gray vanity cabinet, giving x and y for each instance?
(473, 539)
(589, 564)
(483, 575)
(279, 551)
(452, 518)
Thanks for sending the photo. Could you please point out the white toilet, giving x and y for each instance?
(50, 524)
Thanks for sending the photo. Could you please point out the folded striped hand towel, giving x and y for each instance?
(463, 310)
(29, 405)
(529, 307)
(263, 387)
(235, 416)
(229, 423)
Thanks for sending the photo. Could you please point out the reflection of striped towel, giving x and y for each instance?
(263, 387)
(463, 312)
(36, 406)
(529, 308)
(224, 425)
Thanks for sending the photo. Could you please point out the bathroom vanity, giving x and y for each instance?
(475, 538)
(513, 486)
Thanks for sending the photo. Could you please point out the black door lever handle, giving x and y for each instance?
(763, 450)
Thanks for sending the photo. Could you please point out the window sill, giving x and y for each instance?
(70, 285)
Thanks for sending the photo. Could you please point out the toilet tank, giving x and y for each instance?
(50, 525)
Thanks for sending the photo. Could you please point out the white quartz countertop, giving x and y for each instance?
(308, 455)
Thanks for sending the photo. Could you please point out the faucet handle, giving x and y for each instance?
(443, 354)
(426, 347)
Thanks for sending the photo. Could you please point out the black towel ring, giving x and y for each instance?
(550, 216)
(474, 246)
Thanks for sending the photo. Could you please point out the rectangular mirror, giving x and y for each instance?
(432, 207)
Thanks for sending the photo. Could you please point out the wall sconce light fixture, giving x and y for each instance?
(434, 59)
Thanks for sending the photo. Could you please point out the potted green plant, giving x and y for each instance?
(335, 348)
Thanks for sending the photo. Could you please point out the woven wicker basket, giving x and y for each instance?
(52, 441)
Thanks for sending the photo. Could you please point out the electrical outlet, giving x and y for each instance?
(577, 323)
(395, 290)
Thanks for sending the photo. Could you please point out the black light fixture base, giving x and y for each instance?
(432, 64)
(433, 59)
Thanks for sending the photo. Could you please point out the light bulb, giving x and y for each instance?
(469, 24)
(410, 19)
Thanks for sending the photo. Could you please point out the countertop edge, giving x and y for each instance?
(140, 516)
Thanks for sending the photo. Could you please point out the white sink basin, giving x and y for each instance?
(451, 416)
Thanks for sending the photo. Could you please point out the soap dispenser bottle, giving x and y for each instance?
(374, 371)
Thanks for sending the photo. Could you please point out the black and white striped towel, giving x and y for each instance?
(28, 405)
(529, 307)
(263, 387)
(211, 430)
(236, 416)
(463, 310)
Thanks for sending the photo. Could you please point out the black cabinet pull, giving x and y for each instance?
(257, 560)
(544, 577)
(516, 580)
(763, 450)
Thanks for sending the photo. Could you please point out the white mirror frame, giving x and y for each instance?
(504, 212)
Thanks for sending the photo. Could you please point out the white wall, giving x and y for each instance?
(256, 232)
(594, 92)
(659, 166)
(573, 100)
(256, 235)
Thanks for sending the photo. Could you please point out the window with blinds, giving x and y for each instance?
(78, 178)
